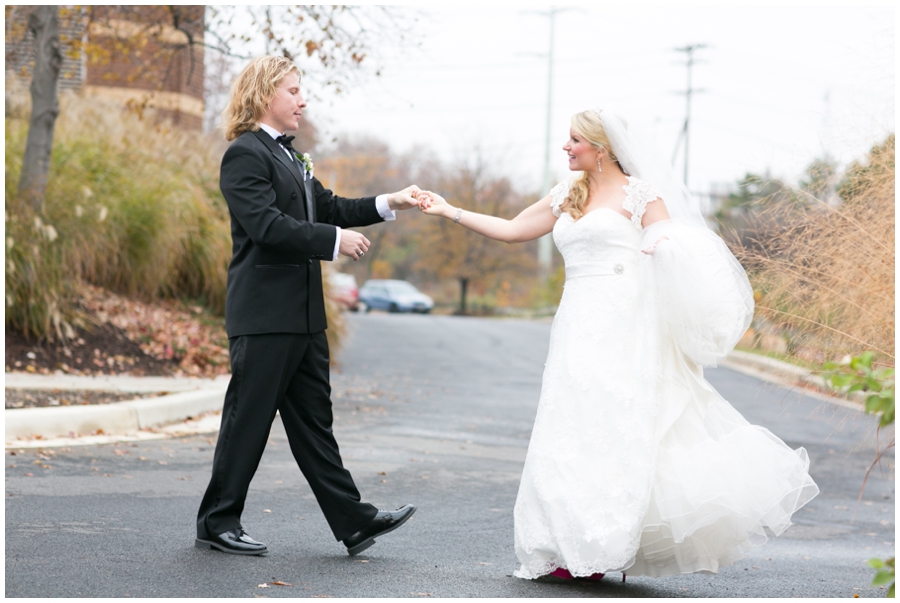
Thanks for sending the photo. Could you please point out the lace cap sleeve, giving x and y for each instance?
(558, 196)
(637, 195)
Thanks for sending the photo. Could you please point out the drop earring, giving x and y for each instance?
(599, 169)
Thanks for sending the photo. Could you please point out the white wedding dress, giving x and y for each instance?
(636, 464)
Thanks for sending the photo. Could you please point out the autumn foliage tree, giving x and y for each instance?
(447, 250)
(357, 167)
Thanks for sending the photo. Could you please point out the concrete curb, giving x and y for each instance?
(114, 418)
(788, 375)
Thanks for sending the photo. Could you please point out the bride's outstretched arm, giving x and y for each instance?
(534, 221)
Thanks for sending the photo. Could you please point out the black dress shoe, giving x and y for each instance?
(234, 541)
(384, 522)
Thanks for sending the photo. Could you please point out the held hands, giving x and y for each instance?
(355, 245)
(434, 205)
(405, 199)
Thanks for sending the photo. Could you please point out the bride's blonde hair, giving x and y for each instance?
(588, 125)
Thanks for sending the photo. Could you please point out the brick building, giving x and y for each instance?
(146, 57)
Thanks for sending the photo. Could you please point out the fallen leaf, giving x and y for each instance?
(262, 586)
(280, 583)
(267, 510)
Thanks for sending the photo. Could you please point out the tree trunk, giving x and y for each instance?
(44, 25)
(463, 285)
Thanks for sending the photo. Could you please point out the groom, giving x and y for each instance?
(283, 222)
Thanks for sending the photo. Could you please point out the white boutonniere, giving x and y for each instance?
(307, 162)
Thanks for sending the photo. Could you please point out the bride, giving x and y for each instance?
(636, 464)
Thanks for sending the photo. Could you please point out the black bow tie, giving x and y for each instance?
(285, 141)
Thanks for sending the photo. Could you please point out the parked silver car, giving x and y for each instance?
(394, 296)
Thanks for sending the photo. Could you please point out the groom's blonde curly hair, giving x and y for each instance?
(251, 93)
(590, 127)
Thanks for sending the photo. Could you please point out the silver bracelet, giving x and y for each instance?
(458, 216)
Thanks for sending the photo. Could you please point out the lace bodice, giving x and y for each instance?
(637, 195)
(602, 234)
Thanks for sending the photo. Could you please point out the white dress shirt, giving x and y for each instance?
(381, 201)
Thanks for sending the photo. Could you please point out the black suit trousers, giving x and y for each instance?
(289, 373)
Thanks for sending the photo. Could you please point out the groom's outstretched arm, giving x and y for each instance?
(346, 213)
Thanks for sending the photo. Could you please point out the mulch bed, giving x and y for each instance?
(103, 350)
(35, 398)
(134, 338)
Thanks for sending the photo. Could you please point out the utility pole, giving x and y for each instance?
(688, 93)
(545, 243)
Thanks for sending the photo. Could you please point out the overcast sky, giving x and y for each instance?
(780, 85)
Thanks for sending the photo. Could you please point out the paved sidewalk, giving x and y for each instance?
(190, 398)
(113, 383)
(182, 399)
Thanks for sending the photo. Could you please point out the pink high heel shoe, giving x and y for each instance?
(596, 577)
(561, 572)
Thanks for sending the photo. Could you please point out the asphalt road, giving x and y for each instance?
(431, 410)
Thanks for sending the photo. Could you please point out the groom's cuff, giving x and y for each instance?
(337, 242)
(384, 210)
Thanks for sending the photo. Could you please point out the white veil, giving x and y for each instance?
(705, 299)
(638, 156)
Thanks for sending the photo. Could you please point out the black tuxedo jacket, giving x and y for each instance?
(281, 227)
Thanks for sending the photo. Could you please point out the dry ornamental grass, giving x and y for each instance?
(824, 273)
